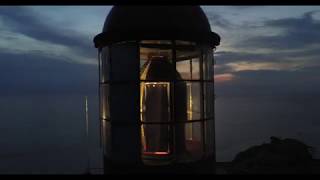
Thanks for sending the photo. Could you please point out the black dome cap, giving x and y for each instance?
(126, 23)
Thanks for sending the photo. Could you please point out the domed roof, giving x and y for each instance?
(156, 22)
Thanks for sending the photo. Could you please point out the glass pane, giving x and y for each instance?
(178, 42)
(192, 148)
(188, 100)
(184, 69)
(124, 103)
(186, 46)
(104, 101)
(156, 63)
(104, 64)
(209, 100)
(155, 101)
(195, 68)
(125, 143)
(194, 100)
(208, 64)
(156, 143)
(209, 137)
(155, 139)
(106, 137)
(188, 63)
(100, 59)
(124, 61)
(187, 54)
(189, 69)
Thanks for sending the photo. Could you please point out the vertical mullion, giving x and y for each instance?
(139, 84)
(110, 64)
(190, 97)
(202, 100)
(109, 76)
(99, 95)
(172, 103)
(213, 110)
(190, 63)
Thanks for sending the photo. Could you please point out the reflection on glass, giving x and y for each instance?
(106, 137)
(104, 103)
(183, 67)
(209, 140)
(147, 53)
(188, 64)
(173, 127)
(155, 140)
(155, 108)
(209, 100)
(195, 72)
(193, 142)
(208, 64)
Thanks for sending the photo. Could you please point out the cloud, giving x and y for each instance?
(221, 78)
(272, 83)
(218, 20)
(286, 44)
(229, 62)
(256, 66)
(20, 44)
(23, 74)
(275, 58)
(300, 32)
(29, 24)
(276, 64)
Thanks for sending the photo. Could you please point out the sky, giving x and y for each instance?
(280, 40)
(266, 78)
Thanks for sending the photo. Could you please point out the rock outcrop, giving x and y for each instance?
(278, 156)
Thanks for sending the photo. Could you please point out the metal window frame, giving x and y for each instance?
(173, 47)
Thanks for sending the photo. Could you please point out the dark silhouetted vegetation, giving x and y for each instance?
(278, 156)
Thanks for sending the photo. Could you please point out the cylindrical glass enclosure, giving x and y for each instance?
(167, 89)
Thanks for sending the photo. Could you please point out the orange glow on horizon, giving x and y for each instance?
(220, 78)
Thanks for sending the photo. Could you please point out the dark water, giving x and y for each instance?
(243, 122)
(46, 134)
